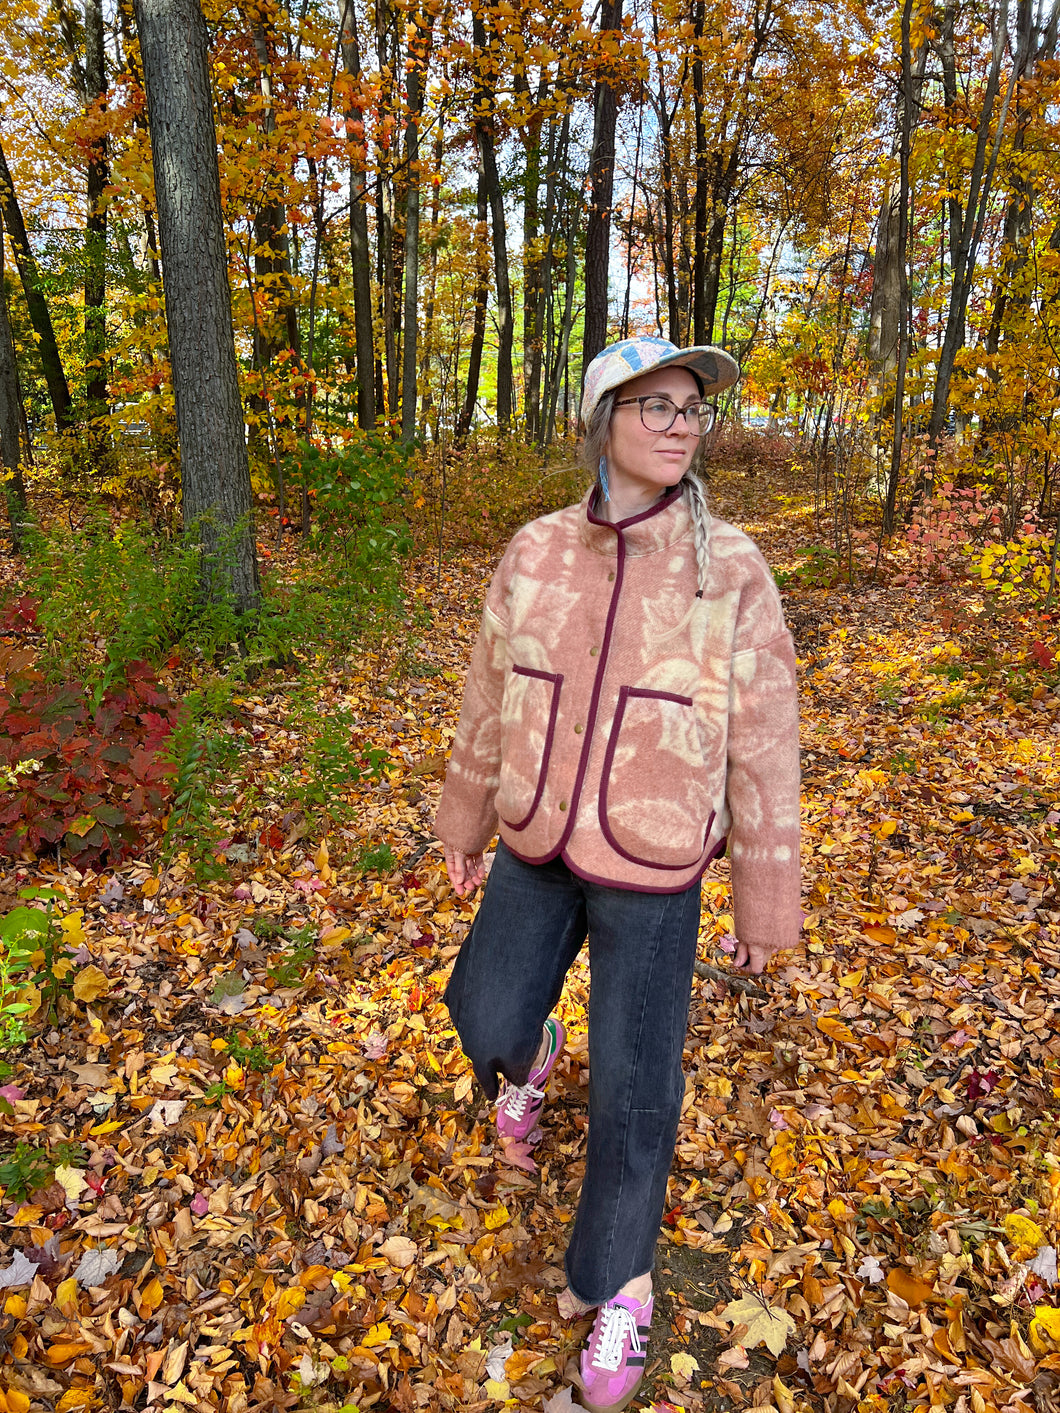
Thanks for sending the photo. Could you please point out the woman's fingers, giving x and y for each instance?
(751, 958)
(466, 871)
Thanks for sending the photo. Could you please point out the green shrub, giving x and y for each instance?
(106, 596)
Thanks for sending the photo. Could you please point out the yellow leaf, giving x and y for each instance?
(17, 1401)
(151, 1296)
(234, 1075)
(66, 1292)
(91, 983)
(683, 1366)
(27, 1215)
(836, 1030)
(15, 1306)
(111, 1126)
(852, 979)
(766, 1324)
(378, 1334)
(291, 1299)
(888, 827)
(1046, 1323)
(72, 1181)
(1023, 1232)
(497, 1217)
(75, 1398)
(497, 1389)
(73, 929)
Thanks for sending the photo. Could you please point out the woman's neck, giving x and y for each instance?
(616, 510)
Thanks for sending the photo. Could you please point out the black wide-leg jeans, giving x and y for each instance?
(508, 977)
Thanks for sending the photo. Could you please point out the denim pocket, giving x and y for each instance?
(654, 797)
(528, 728)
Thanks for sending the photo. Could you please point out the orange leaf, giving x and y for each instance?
(59, 1354)
(908, 1288)
(836, 1030)
(879, 933)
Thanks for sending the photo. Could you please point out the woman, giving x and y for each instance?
(629, 713)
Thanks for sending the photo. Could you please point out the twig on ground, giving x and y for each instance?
(728, 978)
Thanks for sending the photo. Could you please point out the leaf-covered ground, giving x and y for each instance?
(282, 1191)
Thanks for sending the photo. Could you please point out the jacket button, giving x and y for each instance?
(563, 804)
(593, 652)
(579, 729)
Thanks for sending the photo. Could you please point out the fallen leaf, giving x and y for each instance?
(914, 1292)
(95, 1266)
(765, 1323)
(90, 983)
(399, 1251)
(870, 1270)
(20, 1272)
(683, 1365)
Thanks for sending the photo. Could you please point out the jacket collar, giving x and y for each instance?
(654, 529)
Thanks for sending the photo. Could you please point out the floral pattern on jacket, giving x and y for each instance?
(615, 718)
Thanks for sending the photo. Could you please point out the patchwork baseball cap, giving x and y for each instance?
(629, 358)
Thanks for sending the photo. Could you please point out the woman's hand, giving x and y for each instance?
(751, 957)
(466, 871)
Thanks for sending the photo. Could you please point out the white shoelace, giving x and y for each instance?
(516, 1097)
(616, 1322)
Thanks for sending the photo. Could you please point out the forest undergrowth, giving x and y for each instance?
(245, 1165)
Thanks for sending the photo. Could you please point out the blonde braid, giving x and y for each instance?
(701, 521)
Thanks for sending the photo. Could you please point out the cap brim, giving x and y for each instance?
(716, 369)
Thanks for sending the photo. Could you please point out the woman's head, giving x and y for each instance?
(630, 358)
(632, 368)
(646, 406)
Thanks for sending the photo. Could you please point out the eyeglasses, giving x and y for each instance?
(658, 414)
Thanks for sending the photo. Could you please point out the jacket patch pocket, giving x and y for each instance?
(654, 801)
(528, 727)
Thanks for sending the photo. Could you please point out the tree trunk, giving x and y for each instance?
(559, 367)
(478, 332)
(601, 195)
(359, 253)
(1019, 212)
(389, 262)
(215, 477)
(419, 50)
(902, 242)
(272, 261)
(702, 189)
(532, 275)
(39, 317)
(132, 61)
(9, 419)
(427, 396)
(485, 143)
(96, 226)
(979, 185)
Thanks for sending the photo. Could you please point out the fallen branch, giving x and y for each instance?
(728, 978)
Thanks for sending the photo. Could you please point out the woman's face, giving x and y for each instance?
(641, 464)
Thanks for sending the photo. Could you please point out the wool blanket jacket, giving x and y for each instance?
(616, 718)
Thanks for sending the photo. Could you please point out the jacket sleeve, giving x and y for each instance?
(762, 783)
(467, 815)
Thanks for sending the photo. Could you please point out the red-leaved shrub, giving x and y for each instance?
(102, 778)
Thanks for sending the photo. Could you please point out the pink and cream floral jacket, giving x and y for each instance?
(615, 719)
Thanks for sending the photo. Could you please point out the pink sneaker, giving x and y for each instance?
(521, 1104)
(611, 1369)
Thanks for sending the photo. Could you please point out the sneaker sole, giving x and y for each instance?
(623, 1402)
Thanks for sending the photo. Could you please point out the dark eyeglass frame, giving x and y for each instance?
(705, 413)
